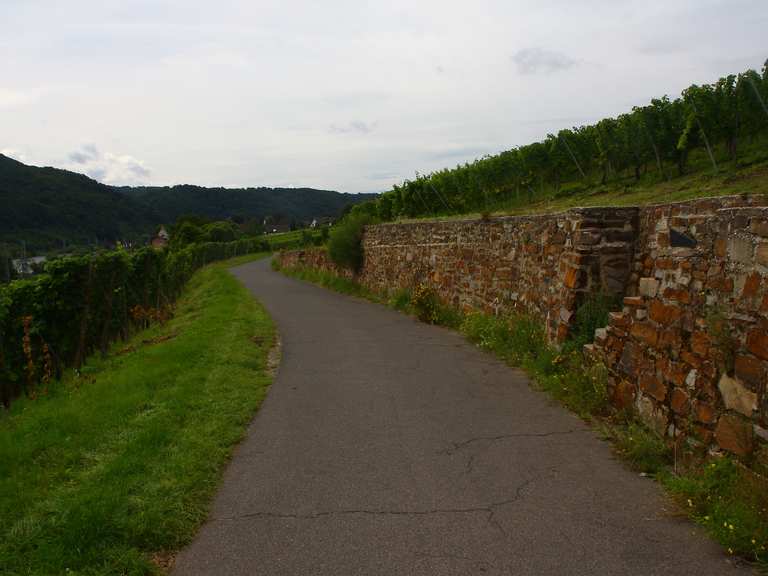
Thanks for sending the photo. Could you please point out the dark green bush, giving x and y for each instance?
(345, 245)
(591, 315)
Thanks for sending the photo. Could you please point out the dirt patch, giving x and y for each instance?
(164, 560)
(148, 341)
(273, 358)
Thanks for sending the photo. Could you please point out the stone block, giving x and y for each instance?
(650, 384)
(663, 313)
(757, 343)
(623, 395)
(734, 434)
(704, 412)
(648, 287)
(740, 250)
(759, 226)
(751, 371)
(678, 295)
(761, 254)
(700, 343)
(751, 285)
(573, 277)
(679, 401)
(645, 332)
(633, 301)
(736, 396)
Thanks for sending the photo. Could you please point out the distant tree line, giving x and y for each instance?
(658, 138)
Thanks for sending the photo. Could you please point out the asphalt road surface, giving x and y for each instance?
(390, 447)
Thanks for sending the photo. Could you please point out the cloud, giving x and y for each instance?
(354, 127)
(13, 98)
(116, 169)
(539, 60)
(15, 154)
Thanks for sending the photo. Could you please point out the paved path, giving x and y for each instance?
(389, 447)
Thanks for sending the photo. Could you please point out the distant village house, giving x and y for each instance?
(160, 241)
(28, 266)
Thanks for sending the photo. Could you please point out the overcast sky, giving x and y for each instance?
(345, 95)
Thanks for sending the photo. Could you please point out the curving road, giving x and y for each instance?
(389, 447)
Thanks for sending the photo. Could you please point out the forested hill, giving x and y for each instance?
(49, 208)
(282, 204)
(46, 207)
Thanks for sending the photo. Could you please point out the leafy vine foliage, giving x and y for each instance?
(661, 135)
(82, 304)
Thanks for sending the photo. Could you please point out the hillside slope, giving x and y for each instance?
(49, 208)
(46, 206)
(302, 204)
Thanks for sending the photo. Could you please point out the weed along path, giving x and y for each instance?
(390, 447)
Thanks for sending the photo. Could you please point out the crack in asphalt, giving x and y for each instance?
(456, 446)
(489, 509)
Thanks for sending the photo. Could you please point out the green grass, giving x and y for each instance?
(730, 501)
(294, 239)
(121, 461)
(328, 280)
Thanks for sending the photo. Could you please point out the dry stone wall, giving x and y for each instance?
(542, 264)
(689, 349)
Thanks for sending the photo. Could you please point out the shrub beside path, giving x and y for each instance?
(388, 446)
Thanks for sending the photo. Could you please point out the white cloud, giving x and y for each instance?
(14, 98)
(354, 127)
(538, 60)
(116, 169)
(15, 154)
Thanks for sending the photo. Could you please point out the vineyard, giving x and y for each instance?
(80, 305)
(714, 129)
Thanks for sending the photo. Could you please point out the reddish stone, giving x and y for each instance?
(645, 333)
(721, 247)
(679, 401)
(623, 395)
(700, 343)
(704, 412)
(679, 295)
(664, 314)
(751, 286)
(721, 284)
(750, 370)
(759, 227)
(572, 277)
(762, 254)
(662, 238)
(705, 435)
(652, 386)
(634, 301)
(664, 264)
(675, 374)
(618, 319)
(690, 359)
(757, 343)
(764, 305)
(734, 434)
(670, 338)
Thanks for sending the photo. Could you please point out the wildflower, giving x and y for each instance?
(690, 504)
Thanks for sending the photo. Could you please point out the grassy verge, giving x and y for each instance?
(727, 499)
(116, 466)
